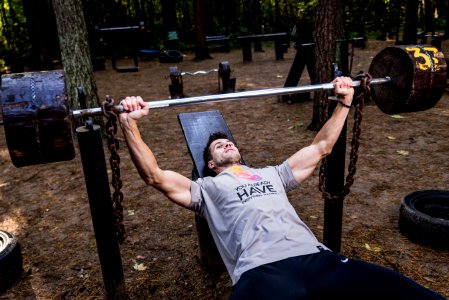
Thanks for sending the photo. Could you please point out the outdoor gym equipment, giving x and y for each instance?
(38, 129)
(38, 122)
(176, 87)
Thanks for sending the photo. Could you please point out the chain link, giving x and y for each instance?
(33, 90)
(352, 58)
(365, 80)
(113, 146)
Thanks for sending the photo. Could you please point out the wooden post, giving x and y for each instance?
(99, 194)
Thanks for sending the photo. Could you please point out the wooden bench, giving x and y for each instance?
(218, 42)
(281, 41)
(197, 127)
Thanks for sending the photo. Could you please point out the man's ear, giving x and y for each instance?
(210, 164)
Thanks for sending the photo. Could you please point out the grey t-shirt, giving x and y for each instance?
(250, 217)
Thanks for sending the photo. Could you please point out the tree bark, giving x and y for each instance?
(201, 50)
(328, 28)
(75, 53)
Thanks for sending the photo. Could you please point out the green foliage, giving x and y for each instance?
(373, 18)
(14, 43)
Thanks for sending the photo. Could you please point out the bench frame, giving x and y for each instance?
(281, 42)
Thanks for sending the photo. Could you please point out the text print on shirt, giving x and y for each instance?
(257, 188)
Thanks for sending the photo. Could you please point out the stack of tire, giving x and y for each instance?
(11, 266)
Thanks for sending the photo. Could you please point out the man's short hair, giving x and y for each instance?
(207, 155)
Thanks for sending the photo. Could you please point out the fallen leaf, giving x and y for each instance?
(374, 249)
(139, 267)
(131, 212)
(391, 137)
(367, 246)
(397, 116)
(402, 152)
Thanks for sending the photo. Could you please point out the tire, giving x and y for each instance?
(424, 217)
(10, 260)
(171, 56)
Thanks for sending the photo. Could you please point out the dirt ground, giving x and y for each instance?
(46, 206)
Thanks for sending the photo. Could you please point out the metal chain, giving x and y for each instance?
(365, 79)
(113, 146)
(352, 58)
(33, 90)
(37, 140)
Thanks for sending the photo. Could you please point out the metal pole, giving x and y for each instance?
(230, 96)
(99, 194)
(334, 185)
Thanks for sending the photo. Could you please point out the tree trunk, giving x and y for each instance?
(201, 50)
(328, 28)
(277, 12)
(76, 60)
(169, 15)
(42, 32)
(445, 4)
(257, 24)
(411, 22)
(75, 53)
(428, 17)
(229, 16)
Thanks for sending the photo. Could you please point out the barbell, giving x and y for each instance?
(38, 122)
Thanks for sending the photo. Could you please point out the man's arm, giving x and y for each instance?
(304, 162)
(174, 185)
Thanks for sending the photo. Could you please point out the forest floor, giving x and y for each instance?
(46, 206)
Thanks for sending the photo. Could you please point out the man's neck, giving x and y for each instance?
(220, 169)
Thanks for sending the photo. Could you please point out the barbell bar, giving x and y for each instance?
(38, 122)
(88, 112)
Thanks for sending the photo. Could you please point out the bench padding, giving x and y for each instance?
(197, 127)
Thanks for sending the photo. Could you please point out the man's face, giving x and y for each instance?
(223, 153)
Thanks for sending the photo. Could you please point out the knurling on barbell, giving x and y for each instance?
(38, 122)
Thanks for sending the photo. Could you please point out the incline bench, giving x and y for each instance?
(197, 127)
(280, 43)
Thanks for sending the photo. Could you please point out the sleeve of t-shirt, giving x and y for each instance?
(286, 175)
(197, 198)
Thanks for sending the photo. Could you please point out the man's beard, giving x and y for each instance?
(229, 160)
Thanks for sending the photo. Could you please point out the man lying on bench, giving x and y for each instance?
(267, 249)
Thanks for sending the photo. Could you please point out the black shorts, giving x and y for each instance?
(326, 275)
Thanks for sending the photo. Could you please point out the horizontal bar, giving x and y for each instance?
(228, 96)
